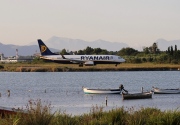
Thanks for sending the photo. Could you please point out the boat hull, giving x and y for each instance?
(4, 111)
(101, 91)
(145, 95)
(166, 91)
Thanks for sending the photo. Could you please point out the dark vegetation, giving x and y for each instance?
(150, 54)
(39, 114)
(150, 59)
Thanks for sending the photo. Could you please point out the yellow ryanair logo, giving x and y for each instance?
(43, 48)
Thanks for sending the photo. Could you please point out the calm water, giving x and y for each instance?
(63, 90)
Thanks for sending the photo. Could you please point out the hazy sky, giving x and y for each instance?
(134, 22)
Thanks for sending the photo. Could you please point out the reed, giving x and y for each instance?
(171, 118)
(40, 114)
(54, 67)
(9, 119)
(65, 119)
(142, 117)
(37, 114)
(115, 116)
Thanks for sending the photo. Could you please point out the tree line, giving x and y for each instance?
(149, 54)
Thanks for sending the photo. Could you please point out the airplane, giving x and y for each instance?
(87, 60)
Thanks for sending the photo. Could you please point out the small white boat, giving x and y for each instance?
(166, 91)
(143, 95)
(101, 91)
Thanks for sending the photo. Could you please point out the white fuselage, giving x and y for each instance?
(98, 59)
(79, 59)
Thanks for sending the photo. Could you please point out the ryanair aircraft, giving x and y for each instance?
(87, 60)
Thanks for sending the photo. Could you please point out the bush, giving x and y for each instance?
(1, 67)
(37, 114)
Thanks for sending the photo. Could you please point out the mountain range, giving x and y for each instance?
(58, 43)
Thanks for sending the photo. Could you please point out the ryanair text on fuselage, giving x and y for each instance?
(96, 57)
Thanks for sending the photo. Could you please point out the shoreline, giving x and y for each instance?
(52, 67)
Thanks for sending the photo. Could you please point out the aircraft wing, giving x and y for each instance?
(80, 62)
(73, 60)
(76, 61)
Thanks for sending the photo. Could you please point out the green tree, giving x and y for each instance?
(163, 58)
(146, 50)
(88, 50)
(80, 52)
(154, 48)
(175, 48)
(175, 53)
(104, 52)
(63, 52)
(127, 52)
(97, 51)
(171, 50)
(75, 52)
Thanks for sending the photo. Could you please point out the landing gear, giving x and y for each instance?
(117, 64)
(80, 64)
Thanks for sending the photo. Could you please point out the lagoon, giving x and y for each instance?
(63, 90)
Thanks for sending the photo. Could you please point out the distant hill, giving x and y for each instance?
(164, 44)
(29, 50)
(78, 44)
(59, 43)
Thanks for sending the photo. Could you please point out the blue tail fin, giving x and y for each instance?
(44, 49)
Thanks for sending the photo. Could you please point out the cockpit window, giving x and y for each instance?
(119, 57)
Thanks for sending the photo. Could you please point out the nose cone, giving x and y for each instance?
(123, 60)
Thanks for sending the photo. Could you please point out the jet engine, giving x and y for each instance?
(89, 63)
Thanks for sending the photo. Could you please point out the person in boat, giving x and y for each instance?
(121, 87)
